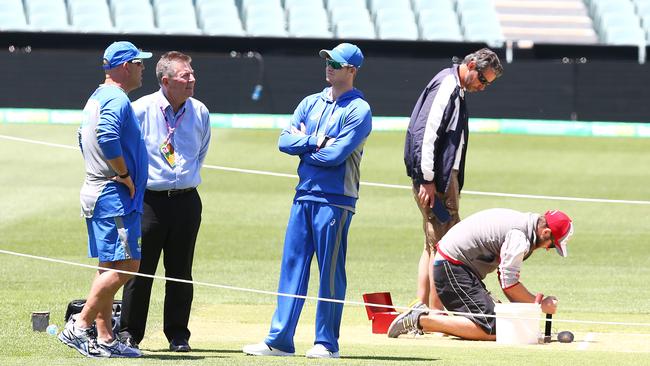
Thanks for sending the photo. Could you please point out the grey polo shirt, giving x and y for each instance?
(492, 239)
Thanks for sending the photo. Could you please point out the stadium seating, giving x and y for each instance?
(490, 21)
(565, 21)
(90, 16)
(133, 16)
(12, 15)
(176, 17)
(219, 18)
(440, 24)
(617, 22)
(480, 22)
(47, 15)
(264, 19)
(395, 23)
(308, 20)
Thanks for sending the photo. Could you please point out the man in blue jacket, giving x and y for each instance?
(434, 153)
(327, 132)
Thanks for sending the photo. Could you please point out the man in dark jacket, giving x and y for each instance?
(434, 153)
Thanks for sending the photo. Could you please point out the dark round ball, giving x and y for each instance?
(565, 337)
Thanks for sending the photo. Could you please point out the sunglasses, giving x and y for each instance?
(335, 64)
(482, 78)
(136, 61)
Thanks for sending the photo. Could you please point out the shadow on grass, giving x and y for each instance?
(389, 358)
(166, 354)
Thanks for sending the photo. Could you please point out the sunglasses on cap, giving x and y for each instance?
(335, 64)
(136, 61)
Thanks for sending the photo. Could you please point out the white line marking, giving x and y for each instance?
(587, 341)
(38, 142)
(381, 185)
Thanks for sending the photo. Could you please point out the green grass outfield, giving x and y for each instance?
(605, 277)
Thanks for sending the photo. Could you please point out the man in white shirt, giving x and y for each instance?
(176, 131)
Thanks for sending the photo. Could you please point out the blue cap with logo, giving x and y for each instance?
(120, 52)
(345, 53)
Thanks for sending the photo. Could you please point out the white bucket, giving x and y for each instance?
(518, 331)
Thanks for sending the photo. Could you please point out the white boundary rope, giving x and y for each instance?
(370, 184)
(348, 302)
(382, 185)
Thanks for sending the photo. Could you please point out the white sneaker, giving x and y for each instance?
(319, 351)
(262, 349)
(117, 349)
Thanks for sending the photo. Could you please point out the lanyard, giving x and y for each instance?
(170, 129)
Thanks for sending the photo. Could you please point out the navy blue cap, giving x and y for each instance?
(120, 52)
(345, 53)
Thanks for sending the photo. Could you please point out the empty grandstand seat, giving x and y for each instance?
(308, 21)
(47, 15)
(350, 4)
(437, 24)
(219, 18)
(92, 23)
(90, 16)
(616, 22)
(396, 23)
(315, 14)
(397, 31)
(604, 8)
(442, 5)
(133, 16)
(376, 5)
(342, 13)
(288, 4)
(264, 28)
(479, 22)
(135, 23)
(176, 17)
(483, 5)
(245, 4)
(304, 28)
(267, 10)
(264, 18)
(12, 15)
(124, 5)
(625, 36)
(354, 29)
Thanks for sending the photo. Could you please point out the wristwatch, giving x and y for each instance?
(124, 176)
(325, 139)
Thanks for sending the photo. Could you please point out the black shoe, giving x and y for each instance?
(128, 339)
(179, 345)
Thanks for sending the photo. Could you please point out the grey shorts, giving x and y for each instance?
(461, 290)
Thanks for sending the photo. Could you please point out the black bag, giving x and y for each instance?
(75, 307)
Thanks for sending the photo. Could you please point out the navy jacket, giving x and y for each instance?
(434, 132)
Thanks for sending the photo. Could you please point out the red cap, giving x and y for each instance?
(561, 227)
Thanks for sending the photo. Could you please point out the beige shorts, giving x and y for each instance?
(434, 229)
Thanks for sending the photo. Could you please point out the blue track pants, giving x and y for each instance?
(313, 228)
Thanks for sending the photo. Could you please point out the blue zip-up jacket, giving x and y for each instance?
(331, 174)
(438, 121)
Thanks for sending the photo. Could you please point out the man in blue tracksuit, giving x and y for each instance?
(328, 131)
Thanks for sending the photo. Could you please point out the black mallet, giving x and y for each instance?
(549, 318)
